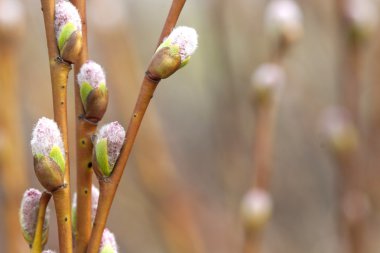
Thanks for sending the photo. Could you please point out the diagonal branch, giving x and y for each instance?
(108, 188)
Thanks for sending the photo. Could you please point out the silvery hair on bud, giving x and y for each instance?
(48, 251)
(46, 134)
(65, 12)
(268, 76)
(91, 73)
(284, 17)
(115, 134)
(29, 212)
(108, 242)
(186, 38)
(363, 14)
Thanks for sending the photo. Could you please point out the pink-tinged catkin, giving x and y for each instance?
(363, 15)
(11, 13)
(91, 73)
(94, 201)
(46, 134)
(269, 77)
(283, 19)
(29, 213)
(65, 12)
(339, 129)
(108, 243)
(186, 38)
(256, 208)
(115, 135)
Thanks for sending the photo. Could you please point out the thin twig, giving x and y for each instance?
(37, 241)
(59, 71)
(349, 164)
(163, 185)
(108, 187)
(172, 18)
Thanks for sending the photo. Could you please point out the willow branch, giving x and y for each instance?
(162, 185)
(37, 241)
(108, 187)
(172, 18)
(84, 147)
(263, 146)
(349, 164)
(59, 71)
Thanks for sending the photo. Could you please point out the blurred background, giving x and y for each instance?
(204, 118)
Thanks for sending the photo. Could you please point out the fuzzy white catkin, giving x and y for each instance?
(48, 251)
(115, 134)
(186, 38)
(108, 243)
(29, 212)
(256, 208)
(91, 73)
(45, 135)
(11, 13)
(339, 130)
(65, 12)
(335, 122)
(363, 15)
(283, 18)
(268, 76)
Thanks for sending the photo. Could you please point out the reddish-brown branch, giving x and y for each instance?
(59, 71)
(252, 243)
(37, 241)
(84, 147)
(108, 188)
(162, 185)
(263, 145)
(350, 165)
(172, 18)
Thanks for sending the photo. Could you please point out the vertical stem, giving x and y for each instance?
(12, 157)
(350, 98)
(63, 212)
(350, 81)
(263, 146)
(252, 242)
(84, 147)
(37, 241)
(59, 71)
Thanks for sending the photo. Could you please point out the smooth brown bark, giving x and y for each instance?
(154, 162)
(59, 71)
(84, 147)
(263, 145)
(37, 241)
(109, 186)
